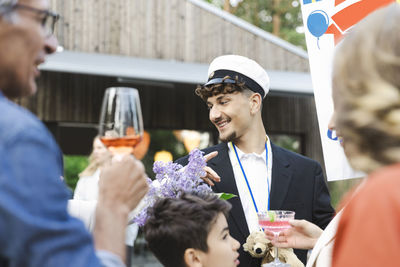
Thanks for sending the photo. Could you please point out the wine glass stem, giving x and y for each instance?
(276, 260)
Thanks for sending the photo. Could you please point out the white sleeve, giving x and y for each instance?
(83, 210)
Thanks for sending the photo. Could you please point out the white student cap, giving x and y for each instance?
(244, 69)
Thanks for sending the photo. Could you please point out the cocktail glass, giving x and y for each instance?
(275, 221)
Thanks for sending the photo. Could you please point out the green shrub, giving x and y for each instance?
(73, 165)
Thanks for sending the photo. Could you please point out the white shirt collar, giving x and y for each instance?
(243, 155)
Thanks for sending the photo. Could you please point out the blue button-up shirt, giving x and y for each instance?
(35, 227)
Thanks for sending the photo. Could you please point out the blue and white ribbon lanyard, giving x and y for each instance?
(245, 177)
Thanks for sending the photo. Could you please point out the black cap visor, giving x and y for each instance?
(218, 81)
(220, 77)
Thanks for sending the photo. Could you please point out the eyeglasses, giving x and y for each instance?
(48, 18)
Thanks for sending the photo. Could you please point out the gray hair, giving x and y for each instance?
(5, 8)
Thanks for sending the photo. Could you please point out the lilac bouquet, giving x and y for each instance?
(172, 179)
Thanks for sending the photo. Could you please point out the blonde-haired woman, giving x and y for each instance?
(366, 93)
(87, 186)
(83, 204)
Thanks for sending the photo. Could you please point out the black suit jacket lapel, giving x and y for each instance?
(281, 177)
(222, 165)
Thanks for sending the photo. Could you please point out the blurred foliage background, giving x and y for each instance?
(282, 18)
(73, 165)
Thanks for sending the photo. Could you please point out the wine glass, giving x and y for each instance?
(121, 122)
(275, 221)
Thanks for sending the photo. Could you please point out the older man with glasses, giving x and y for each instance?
(47, 18)
(35, 227)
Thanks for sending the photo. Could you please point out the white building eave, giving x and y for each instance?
(157, 70)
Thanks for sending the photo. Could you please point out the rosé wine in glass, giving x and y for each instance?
(121, 123)
(276, 226)
(121, 145)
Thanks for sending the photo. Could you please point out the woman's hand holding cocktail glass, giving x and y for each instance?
(275, 222)
(301, 235)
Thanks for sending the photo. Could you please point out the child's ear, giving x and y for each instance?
(192, 257)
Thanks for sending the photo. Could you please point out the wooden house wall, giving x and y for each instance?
(163, 29)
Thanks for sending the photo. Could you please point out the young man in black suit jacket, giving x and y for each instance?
(262, 175)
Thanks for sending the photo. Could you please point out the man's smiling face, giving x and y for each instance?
(230, 113)
(23, 48)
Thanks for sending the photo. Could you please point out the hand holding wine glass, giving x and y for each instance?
(121, 122)
(120, 130)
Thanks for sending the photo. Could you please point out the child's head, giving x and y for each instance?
(191, 231)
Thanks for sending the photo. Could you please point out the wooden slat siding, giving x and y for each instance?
(158, 35)
(123, 22)
(135, 23)
(107, 34)
(227, 31)
(148, 29)
(190, 39)
(166, 51)
(69, 25)
(173, 29)
(181, 33)
(206, 35)
(115, 27)
(174, 32)
(56, 5)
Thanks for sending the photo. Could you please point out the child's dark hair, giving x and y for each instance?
(176, 224)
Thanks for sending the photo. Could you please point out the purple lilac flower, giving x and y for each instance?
(141, 218)
(171, 180)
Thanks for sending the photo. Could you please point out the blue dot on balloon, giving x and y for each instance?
(317, 23)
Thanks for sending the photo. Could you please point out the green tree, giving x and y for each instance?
(282, 18)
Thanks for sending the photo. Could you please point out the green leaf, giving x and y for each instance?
(225, 196)
(271, 215)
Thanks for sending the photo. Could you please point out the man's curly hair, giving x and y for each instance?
(222, 88)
